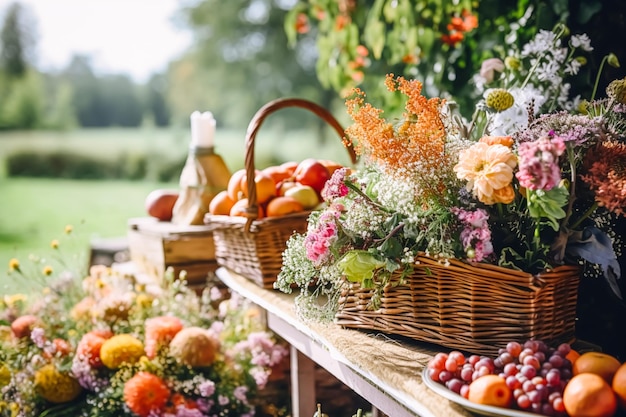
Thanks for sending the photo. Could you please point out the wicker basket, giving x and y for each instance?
(250, 246)
(471, 308)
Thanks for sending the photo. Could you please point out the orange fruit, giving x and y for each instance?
(290, 167)
(619, 385)
(234, 185)
(596, 363)
(589, 395)
(280, 206)
(490, 390)
(239, 209)
(572, 355)
(221, 204)
(277, 173)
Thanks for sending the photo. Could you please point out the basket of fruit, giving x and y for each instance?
(252, 220)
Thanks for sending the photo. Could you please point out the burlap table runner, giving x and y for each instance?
(396, 363)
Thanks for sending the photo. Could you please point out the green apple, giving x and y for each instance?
(305, 194)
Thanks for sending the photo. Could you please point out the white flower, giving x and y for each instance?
(581, 41)
(544, 41)
(516, 117)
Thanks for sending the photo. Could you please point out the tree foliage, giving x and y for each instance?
(240, 61)
(15, 42)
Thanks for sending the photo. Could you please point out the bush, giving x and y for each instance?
(75, 166)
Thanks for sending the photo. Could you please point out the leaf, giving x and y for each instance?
(375, 37)
(593, 245)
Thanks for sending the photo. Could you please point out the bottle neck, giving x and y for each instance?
(201, 150)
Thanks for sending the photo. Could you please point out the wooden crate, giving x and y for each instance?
(154, 246)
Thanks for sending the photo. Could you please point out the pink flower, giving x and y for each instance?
(539, 163)
(476, 235)
(335, 186)
(318, 241)
(489, 67)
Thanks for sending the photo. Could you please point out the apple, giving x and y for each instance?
(283, 186)
(313, 173)
(305, 194)
(160, 203)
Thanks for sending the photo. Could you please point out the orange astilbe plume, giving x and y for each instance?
(416, 148)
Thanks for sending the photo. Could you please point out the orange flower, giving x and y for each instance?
(488, 170)
(606, 175)
(418, 145)
(144, 393)
(302, 23)
(498, 140)
(160, 331)
(89, 348)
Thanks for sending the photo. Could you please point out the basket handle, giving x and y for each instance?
(255, 125)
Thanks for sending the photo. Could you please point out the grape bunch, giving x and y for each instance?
(535, 373)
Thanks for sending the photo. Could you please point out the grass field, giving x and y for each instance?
(33, 212)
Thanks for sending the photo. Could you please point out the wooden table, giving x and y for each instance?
(384, 371)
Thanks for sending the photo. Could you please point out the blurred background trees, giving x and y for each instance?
(247, 52)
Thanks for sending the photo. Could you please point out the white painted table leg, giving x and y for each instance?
(302, 384)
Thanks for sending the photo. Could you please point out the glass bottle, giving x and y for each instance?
(204, 175)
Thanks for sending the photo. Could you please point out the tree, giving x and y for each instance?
(155, 102)
(240, 61)
(15, 42)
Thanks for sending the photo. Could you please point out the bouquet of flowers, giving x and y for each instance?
(534, 180)
(112, 344)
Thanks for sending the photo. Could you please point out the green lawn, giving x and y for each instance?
(35, 211)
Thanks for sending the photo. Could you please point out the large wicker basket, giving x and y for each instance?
(474, 308)
(250, 246)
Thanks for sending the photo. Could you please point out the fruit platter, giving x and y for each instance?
(530, 379)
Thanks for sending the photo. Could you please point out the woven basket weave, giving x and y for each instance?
(250, 246)
(471, 308)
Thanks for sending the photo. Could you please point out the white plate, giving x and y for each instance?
(485, 410)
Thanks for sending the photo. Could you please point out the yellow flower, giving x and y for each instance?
(5, 375)
(56, 386)
(119, 349)
(14, 265)
(68, 229)
(499, 99)
(487, 170)
(47, 270)
(13, 299)
(54, 244)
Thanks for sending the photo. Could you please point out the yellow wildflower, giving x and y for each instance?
(14, 265)
(13, 299)
(47, 270)
(119, 349)
(56, 386)
(68, 229)
(5, 375)
(54, 244)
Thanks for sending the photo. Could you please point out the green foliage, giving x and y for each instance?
(408, 37)
(21, 102)
(15, 42)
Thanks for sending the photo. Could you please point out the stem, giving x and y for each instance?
(572, 187)
(587, 213)
(536, 64)
(360, 192)
(595, 85)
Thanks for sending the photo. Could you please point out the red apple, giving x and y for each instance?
(312, 173)
(160, 203)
